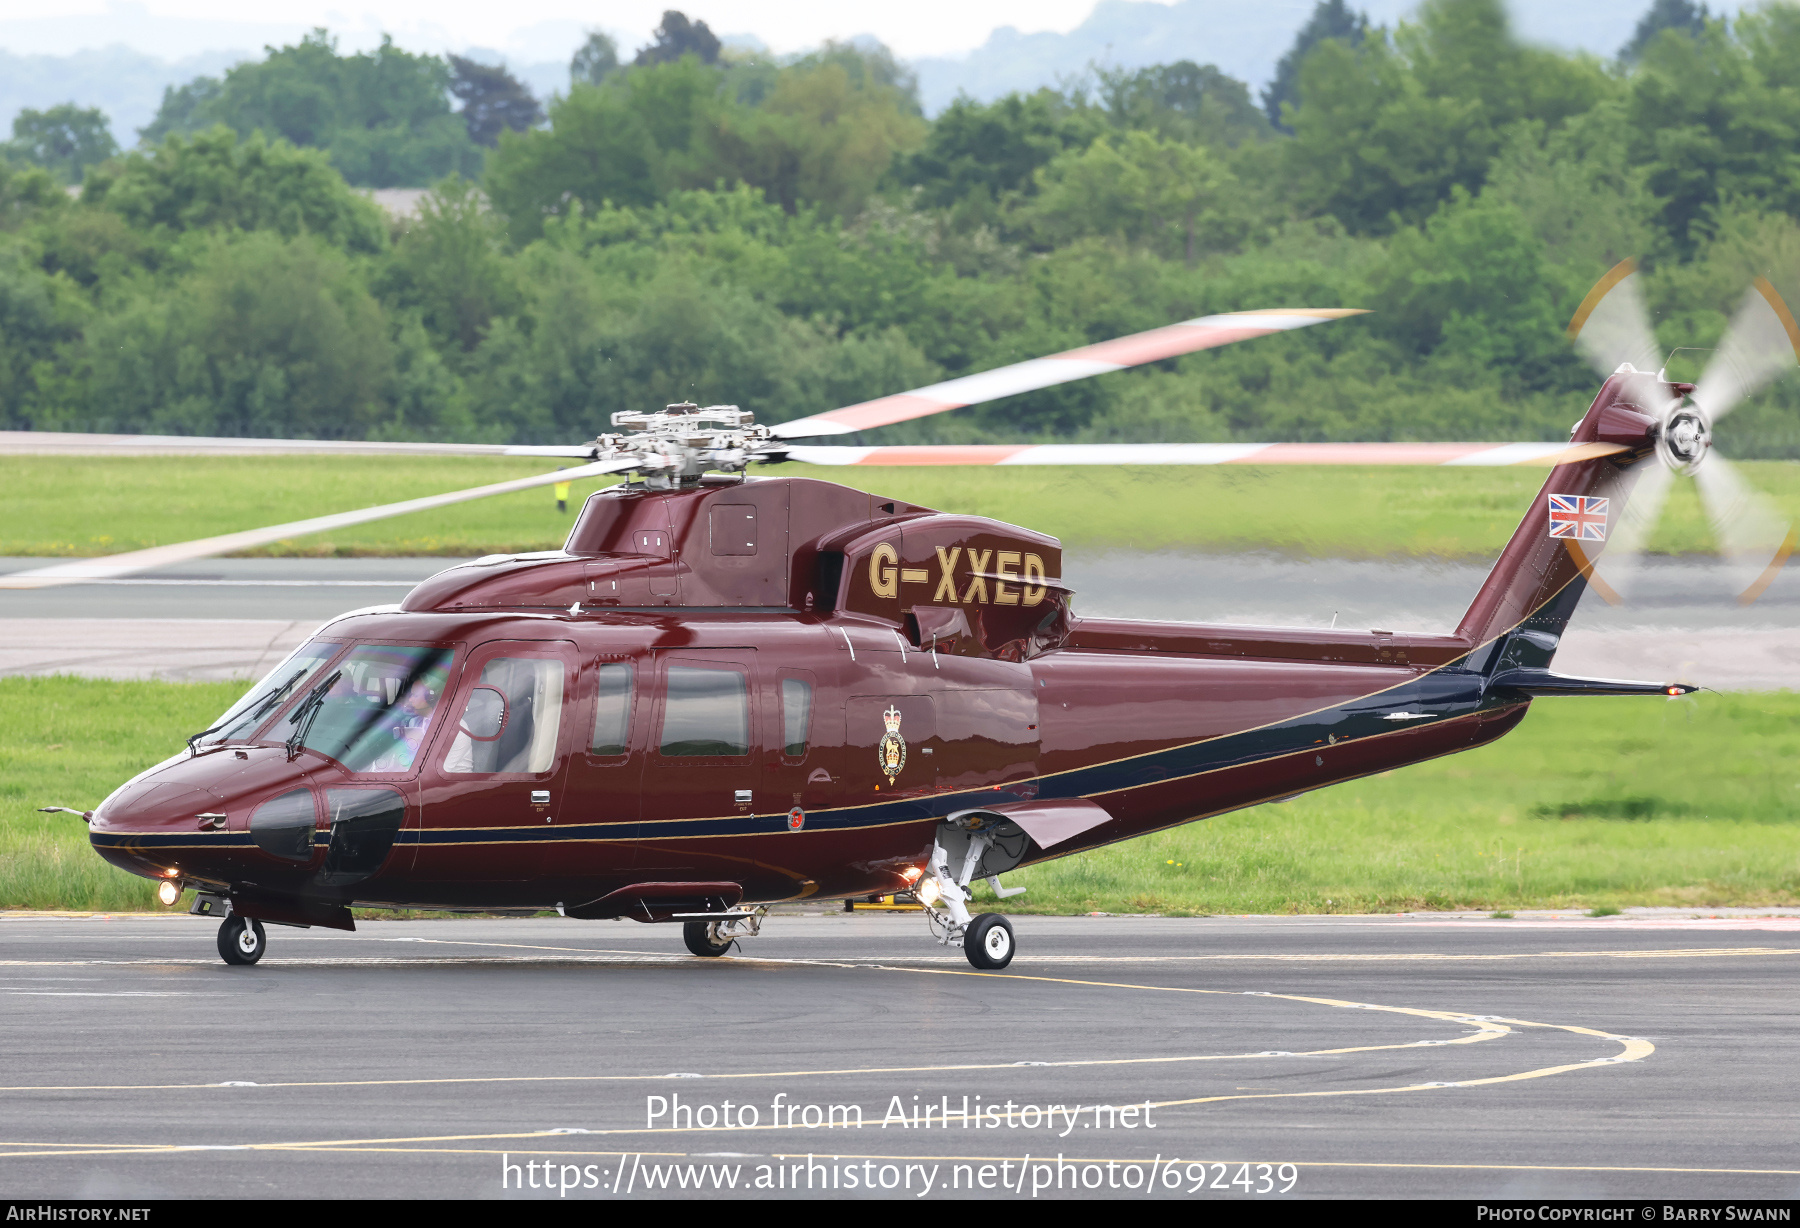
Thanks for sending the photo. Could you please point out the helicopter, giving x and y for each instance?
(726, 692)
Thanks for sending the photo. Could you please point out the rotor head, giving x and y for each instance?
(675, 446)
(1684, 440)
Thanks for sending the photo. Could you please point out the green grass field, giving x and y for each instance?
(87, 506)
(1593, 802)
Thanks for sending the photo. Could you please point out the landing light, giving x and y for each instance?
(168, 891)
(927, 892)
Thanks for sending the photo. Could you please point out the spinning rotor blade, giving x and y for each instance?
(1760, 344)
(80, 443)
(1754, 538)
(1612, 325)
(1206, 454)
(1624, 552)
(1204, 333)
(109, 566)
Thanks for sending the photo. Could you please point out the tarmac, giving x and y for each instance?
(1646, 1056)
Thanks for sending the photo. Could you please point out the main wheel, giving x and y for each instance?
(702, 938)
(241, 940)
(988, 942)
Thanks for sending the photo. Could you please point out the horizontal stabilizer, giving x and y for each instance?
(1543, 682)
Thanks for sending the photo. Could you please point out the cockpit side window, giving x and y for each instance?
(509, 719)
(377, 711)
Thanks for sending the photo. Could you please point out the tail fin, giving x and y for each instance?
(1517, 619)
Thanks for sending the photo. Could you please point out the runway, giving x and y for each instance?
(235, 618)
(1401, 1056)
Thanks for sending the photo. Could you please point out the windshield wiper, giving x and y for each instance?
(302, 719)
(263, 709)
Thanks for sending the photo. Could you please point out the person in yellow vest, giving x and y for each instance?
(562, 496)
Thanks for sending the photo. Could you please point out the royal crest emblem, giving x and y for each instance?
(890, 752)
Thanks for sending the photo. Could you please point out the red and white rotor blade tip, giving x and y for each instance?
(1479, 454)
(109, 566)
(1170, 341)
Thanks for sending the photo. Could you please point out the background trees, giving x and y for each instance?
(691, 222)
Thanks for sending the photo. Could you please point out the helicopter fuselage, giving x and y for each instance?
(749, 691)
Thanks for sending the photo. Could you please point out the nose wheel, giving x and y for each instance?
(241, 940)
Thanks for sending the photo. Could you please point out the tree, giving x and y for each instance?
(185, 109)
(384, 115)
(594, 60)
(268, 336)
(1182, 101)
(1386, 131)
(987, 150)
(1681, 15)
(493, 100)
(216, 181)
(65, 140)
(1135, 187)
(676, 37)
(1330, 19)
(1716, 117)
(448, 265)
(818, 138)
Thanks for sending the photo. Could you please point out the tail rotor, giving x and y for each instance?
(1612, 329)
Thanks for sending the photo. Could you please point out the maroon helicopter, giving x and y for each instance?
(726, 692)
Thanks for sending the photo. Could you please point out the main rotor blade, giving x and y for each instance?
(1205, 333)
(1754, 537)
(1205, 454)
(80, 443)
(1760, 345)
(1644, 492)
(1612, 325)
(105, 568)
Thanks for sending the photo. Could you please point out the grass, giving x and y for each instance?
(1552, 816)
(102, 505)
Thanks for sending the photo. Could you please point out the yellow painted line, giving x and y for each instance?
(1487, 1031)
(1491, 1028)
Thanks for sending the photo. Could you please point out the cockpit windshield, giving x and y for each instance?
(377, 707)
(285, 681)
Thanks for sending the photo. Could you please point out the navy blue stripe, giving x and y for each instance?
(1444, 694)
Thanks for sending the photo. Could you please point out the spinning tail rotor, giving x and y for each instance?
(1612, 330)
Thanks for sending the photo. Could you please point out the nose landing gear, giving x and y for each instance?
(241, 940)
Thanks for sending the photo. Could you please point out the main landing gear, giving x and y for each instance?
(711, 934)
(975, 843)
(241, 940)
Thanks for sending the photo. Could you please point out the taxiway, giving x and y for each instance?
(1406, 1056)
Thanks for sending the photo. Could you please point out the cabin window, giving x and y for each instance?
(796, 716)
(509, 719)
(707, 712)
(283, 826)
(612, 711)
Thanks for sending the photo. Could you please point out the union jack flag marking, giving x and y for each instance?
(1578, 516)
